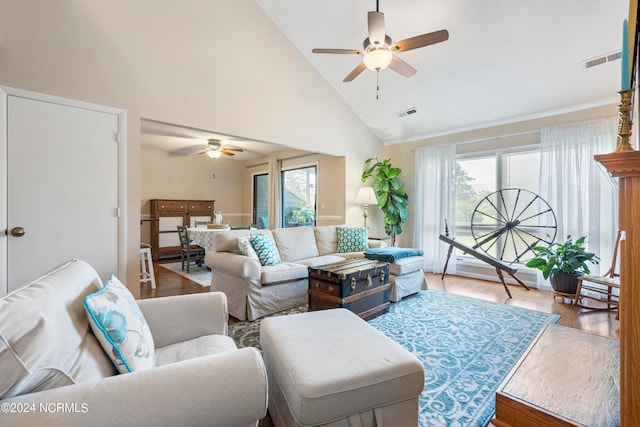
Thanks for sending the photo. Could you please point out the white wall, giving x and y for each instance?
(220, 65)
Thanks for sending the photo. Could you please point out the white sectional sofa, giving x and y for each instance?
(254, 290)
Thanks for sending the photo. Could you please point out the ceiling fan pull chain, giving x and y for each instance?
(377, 84)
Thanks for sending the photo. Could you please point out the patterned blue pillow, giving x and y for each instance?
(265, 249)
(352, 239)
(118, 323)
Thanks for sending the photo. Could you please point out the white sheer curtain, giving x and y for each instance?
(434, 202)
(275, 193)
(582, 196)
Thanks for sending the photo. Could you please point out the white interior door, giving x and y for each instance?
(62, 188)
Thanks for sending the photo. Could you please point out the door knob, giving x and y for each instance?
(17, 231)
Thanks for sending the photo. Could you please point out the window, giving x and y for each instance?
(261, 200)
(299, 196)
(480, 175)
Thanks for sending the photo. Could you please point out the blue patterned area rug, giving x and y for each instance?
(466, 345)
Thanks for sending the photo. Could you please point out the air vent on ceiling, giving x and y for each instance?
(407, 112)
(603, 59)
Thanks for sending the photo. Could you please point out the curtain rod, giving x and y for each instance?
(489, 138)
(497, 137)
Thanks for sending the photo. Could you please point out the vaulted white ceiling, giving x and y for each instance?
(505, 60)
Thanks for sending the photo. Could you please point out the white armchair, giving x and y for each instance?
(200, 378)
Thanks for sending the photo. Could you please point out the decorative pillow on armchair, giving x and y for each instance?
(244, 245)
(118, 323)
(352, 239)
(265, 249)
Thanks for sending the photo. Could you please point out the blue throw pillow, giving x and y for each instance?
(118, 323)
(352, 239)
(265, 249)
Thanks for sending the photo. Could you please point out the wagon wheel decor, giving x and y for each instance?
(508, 223)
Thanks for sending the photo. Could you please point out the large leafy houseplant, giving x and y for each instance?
(562, 263)
(391, 194)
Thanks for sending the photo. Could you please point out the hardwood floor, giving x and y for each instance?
(169, 283)
(599, 322)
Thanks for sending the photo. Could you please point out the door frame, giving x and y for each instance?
(5, 92)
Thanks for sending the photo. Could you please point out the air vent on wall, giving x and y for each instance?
(602, 59)
(407, 112)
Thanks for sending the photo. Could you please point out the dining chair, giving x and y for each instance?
(189, 249)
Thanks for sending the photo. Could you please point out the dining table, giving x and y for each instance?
(205, 237)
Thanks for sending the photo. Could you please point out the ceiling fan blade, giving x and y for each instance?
(401, 67)
(420, 41)
(375, 21)
(338, 51)
(227, 153)
(355, 73)
(239, 150)
(206, 150)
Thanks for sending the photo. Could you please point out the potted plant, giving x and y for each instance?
(301, 216)
(392, 197)
(563, 263)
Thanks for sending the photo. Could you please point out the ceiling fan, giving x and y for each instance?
(214, 149)
(379, 51)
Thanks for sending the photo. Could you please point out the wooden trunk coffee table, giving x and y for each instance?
(359, 285)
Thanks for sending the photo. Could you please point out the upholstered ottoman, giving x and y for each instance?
(331, 368)
(406, 277)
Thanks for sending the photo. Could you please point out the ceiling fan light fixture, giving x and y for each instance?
(378, 59)
(214, 154)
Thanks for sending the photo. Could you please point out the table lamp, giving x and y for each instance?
(366, 196)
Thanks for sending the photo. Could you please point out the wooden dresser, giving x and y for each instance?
(170, 214)
(567, 377)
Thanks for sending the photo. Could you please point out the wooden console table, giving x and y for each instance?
(567, 377)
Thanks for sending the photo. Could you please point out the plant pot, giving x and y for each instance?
(565, 283)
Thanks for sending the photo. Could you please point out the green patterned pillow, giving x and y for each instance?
(265, 249)
(118, 323)
(352, 239)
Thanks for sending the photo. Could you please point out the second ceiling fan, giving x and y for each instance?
(379, 50)
(214, 149)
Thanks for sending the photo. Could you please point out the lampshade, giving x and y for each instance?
(378, 59)
(214, 154)
(366, 196)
